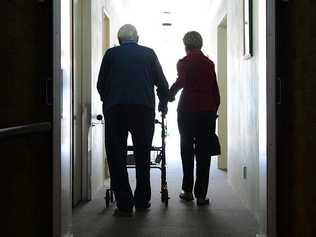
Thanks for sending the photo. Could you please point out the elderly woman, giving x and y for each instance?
(197, 112)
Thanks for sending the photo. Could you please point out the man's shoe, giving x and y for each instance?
(202, 201)
(186, 196)
(143, 208)
(123, 213)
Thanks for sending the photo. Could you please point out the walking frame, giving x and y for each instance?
(158, 163)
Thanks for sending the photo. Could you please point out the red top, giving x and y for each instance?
(197, 77)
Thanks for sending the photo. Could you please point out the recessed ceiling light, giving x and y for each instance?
(167, 24)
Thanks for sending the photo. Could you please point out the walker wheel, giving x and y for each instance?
(107, 198)
(165, 197)
(112, 196)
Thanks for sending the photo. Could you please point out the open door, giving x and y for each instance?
(105, 46)
(62, 124)
(92, 130)
(106, 31)
(98, 164)
(26, 118)
(222, 84)
(77, 194)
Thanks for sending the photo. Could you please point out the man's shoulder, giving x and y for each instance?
(110, 51)
(146, 49)
(113, 49)
(117, 51)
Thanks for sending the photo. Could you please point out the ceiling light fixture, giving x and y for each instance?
(167, 24)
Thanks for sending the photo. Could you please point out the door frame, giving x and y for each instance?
(56, 119)
(106, 45)
(62, 116)
(271, 118)
(222, 123)
(77, 104)
(86, 100)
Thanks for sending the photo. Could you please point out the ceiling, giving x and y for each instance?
(149, 15)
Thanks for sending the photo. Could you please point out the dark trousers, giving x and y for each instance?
(195, 130)
(139, 121)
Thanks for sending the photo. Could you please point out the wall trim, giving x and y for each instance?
(271, 123)
(56, 121)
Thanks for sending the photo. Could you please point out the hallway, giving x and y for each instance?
(163, 30)
(225, 217)
(49, 128)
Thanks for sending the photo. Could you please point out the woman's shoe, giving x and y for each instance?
(186, 196)
(202, 201)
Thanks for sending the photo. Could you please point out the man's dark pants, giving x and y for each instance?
(139, 121)
(195, 130)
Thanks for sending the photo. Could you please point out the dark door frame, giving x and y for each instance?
(271, 118)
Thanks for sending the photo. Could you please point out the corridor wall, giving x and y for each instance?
(246, 101)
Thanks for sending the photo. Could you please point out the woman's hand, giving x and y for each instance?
(163, 108)
(171, 98)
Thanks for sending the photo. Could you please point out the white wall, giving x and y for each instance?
(243, 102)
(62, 119)
(246, 112)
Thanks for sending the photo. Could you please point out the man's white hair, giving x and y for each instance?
(127, 32)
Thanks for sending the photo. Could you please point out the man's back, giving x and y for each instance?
(128, 75)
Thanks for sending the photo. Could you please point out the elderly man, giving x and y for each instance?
(197, 112)
(126, 83)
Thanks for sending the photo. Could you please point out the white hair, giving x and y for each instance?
(127, 32)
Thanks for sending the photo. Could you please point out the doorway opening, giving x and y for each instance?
(93, 25)
(166, 40)
(222, 84)
(106, 31)
(89, 166)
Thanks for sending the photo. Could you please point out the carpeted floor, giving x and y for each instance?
(225, 217)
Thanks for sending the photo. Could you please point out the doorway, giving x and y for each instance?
(222, 84)
(106, 31)
(89, 167)
(88, 114)
(77, 188)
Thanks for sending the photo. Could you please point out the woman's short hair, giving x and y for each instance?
(193, 40)
(127, 32)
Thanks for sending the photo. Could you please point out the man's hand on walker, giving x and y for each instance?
(163, 108)
(171, 98)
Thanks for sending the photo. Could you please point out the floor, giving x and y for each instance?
(225, 217)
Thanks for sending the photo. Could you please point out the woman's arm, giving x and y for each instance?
(179, 83)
